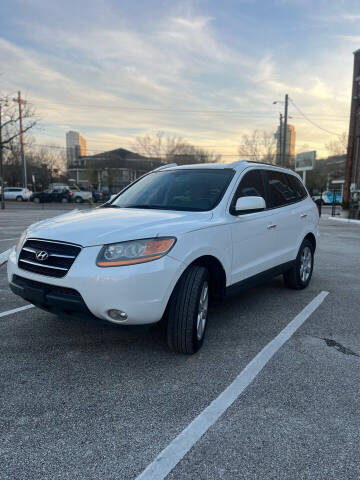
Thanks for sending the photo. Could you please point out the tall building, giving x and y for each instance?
(76, 147)
(290, 146)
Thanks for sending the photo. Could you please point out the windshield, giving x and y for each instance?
(196, 190)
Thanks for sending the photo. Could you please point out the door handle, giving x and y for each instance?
(303, 215)
(271, 226)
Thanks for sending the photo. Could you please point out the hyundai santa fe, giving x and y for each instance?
(169, 243)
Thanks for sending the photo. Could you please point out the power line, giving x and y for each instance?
(260, 113)
(311, 121)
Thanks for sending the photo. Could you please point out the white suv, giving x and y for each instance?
(16, 193)
(168, 243)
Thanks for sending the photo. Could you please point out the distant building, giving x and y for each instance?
(76, 147)
(110, 171)
(290, 146)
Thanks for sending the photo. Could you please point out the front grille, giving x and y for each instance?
(60, 257)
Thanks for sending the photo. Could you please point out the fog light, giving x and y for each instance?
(117, 315)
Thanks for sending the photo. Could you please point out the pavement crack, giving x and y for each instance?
(340, 348)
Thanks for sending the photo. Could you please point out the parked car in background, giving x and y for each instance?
(167, 244)
(58, 194)
(80, 194)
(327, 198)
(17, 193)
(97, 196)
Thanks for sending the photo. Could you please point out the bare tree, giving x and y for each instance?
(258, 146)
(10, 120)
(172, 148)
(44, 162)
(338, 146)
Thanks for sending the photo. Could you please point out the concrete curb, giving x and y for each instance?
(346, 220)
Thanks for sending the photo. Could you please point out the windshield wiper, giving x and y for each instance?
(109, 205)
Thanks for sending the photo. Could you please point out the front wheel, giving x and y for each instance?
(188, 310)
(299, 276)
(78, 200)
(19, 198)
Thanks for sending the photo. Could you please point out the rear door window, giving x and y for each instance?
(297, 186)
(279, 190)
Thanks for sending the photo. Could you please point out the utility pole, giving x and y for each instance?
(1, 166)
(353, 149)
(23, 160)
(283, 160)
(279, 162)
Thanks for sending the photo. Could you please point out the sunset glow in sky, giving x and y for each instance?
(206, 70)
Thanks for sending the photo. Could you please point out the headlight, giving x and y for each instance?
(21, 240)
(135, 251)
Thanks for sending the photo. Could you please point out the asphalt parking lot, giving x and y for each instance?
(84, 400)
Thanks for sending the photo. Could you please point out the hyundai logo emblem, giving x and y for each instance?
(42, 255)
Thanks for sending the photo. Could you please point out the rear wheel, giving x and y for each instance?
(188, 310)
(64, 200)
(78, 200)
(36, 199)
(299, 276)
(19, 198)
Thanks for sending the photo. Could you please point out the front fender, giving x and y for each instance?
(214, 241)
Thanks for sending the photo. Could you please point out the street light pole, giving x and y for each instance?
(1, 166)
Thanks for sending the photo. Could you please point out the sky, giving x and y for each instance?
(208, 71)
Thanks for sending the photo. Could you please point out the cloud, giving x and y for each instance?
(114, 80)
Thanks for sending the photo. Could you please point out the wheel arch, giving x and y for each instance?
(311, 237)
(216, 271)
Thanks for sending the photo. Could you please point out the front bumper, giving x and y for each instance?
(58, 300)
(142, 291)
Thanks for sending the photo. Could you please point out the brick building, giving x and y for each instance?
(110, 171)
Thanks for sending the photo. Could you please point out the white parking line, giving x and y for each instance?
(178, 448)
(15, 310)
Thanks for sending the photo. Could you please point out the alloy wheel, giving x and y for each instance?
(203, 310)
(305, 264)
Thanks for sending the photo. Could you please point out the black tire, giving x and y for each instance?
(36, 200)
(19, 198)
(64, 200)
(293, 278)
(183, 311)
(78, 200)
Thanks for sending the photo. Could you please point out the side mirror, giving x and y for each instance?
(249, 205)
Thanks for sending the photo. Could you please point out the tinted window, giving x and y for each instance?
(250, 185)
(187, 189)
(279, 190)
(298, 187)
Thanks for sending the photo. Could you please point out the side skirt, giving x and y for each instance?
(258, 279)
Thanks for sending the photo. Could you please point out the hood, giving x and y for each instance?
(111, 225)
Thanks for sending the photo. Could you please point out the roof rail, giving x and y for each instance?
(163, 167)
(237, 162)
(264, 163)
